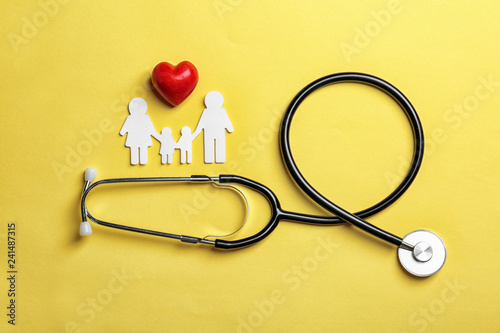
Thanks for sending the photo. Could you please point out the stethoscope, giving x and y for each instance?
(421, 252)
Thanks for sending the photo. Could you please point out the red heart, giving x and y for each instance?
(175, 83)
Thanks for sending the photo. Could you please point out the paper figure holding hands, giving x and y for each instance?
(214, 121)
(185, 144)
(168, 145)
(139, 129)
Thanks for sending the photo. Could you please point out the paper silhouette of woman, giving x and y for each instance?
(214, 121)
(139, 129)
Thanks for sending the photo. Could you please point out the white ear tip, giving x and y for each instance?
(85, 229)
(90, 174)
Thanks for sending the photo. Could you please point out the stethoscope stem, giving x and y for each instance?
(406, 246)
(313, 219)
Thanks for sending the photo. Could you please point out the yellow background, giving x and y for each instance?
(68, 72)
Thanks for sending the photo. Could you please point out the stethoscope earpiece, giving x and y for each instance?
(90, 174)
(427, 255)
(85, 229)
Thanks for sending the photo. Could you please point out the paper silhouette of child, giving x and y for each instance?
(168, 145)
(185, 144)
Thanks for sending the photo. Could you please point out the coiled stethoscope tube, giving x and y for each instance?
(421, 252)
(418, 152)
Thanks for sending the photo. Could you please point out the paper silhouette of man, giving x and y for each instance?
(139, 129)
(214, 121)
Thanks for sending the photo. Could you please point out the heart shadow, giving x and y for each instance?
(160, 97)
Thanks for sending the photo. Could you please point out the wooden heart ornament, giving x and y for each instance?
(175, 83)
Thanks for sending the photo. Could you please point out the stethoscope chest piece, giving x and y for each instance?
(428, 254)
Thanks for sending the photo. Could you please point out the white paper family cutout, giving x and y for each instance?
(214, 122)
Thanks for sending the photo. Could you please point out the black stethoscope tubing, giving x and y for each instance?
(418, 151)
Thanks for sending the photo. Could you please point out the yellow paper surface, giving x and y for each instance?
(69, 69)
